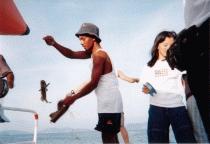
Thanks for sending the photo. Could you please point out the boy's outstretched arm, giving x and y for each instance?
(66, 51)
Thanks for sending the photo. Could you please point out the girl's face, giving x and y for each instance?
(164, 46)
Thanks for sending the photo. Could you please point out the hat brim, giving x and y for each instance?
(88, 34)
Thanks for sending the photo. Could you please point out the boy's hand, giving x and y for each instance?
(69, 100)
(49, 40)
(136, 80)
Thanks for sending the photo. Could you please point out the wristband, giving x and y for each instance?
(72, 92)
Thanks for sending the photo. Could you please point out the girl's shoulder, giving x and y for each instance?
(144, 67)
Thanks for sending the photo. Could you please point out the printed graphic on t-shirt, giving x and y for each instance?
(161, 72)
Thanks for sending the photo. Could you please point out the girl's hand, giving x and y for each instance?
(145, 89)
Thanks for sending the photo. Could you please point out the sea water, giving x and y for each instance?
(137, 135)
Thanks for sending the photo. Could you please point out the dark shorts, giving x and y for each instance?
(108, 122)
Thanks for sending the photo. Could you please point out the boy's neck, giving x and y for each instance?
(96, 47)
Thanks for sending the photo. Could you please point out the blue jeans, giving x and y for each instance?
(161, 118)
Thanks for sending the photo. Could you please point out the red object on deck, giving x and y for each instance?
(36, 116)
(11, 21)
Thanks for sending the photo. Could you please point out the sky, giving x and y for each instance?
(127, 29)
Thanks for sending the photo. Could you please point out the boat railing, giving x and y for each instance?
(34, 141)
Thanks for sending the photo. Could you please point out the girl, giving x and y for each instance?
(166, 106)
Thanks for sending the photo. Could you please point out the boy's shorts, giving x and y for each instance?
(108, 122)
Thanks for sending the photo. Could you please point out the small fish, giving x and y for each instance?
(43, 90)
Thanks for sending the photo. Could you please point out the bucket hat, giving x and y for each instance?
(89, 29)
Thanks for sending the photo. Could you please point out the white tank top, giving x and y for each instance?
(109, 99)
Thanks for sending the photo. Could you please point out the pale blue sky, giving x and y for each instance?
(127, 30)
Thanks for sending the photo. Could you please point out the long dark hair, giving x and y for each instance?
(159, 38)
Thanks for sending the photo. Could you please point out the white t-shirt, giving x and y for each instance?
(167, 83)
(196, 12)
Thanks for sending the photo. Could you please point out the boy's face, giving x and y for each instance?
(86, 42)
